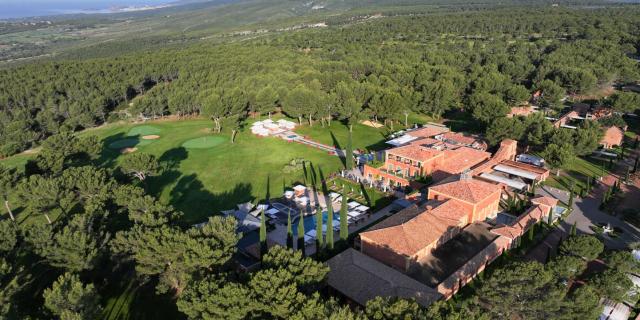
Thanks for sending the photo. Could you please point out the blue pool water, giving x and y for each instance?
(309, 222)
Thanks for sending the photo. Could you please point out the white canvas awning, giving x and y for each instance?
(354, 214)
(401, 140)
(509, 182)
(516, 171)
(246, 207)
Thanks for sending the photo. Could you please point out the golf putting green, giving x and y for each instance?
(143, 131)
(203, 142)
(129, 143)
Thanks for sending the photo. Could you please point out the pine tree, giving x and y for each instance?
(319, 238)
(263, 235)
(574, 229)
(289, 231)
(344, 226)
(301, 245)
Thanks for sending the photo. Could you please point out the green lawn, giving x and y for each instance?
(17, 161)
(577, 173)
(364, 137)
(203, 181)
(368, 196)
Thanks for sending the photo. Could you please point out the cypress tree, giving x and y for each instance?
(627, 175)
(588, 185)
(635, 164)
(533, 188)
(329, 229)
(531, 232)
(319, 237)
(574, 229)
(349, 153)
(344, 226)
(263, 235)
(610, 163)
(301, 245)
(550, 217)
(548, 255)
(571, 196)
(289, 231)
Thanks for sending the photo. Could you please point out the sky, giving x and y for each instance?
(29, 8)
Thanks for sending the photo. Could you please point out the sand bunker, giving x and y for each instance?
(151, 137)
(372, 124)
(128, 150)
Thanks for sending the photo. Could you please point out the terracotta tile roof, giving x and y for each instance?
(463, 139)
(428, 132)
(451, 210)
(472, 190)
(460, 159)
(415, 152)
(416, 228)
(613, 136)
(505, 152)
(362, 278)
(525, 166)
(522, 224)
(544, 200)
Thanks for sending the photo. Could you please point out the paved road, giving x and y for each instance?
(586, 213)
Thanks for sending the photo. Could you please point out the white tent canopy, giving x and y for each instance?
(516, 171)
(509, 182)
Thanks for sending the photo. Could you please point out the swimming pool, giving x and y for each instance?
(309, 222)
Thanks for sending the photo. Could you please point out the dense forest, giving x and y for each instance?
(99, 228)
(484, 60)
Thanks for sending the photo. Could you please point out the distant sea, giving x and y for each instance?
(35, 8)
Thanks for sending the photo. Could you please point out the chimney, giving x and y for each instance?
(465, 175)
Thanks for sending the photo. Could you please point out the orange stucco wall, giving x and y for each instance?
(384, 254)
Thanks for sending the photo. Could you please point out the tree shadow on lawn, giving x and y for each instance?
(458, 120)
(169, 163)
(197, 203)
(336, 143)
(109, 155)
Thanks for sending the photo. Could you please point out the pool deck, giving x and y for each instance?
(279, 234)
